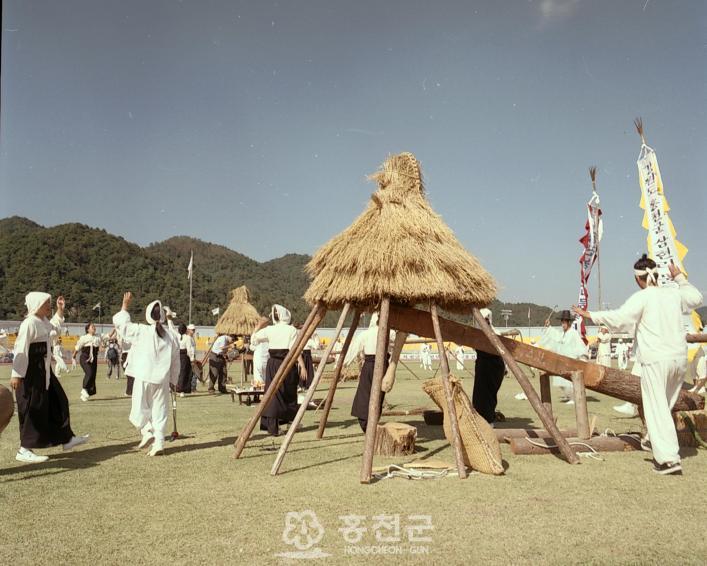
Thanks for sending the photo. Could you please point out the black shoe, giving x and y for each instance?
(667, 469)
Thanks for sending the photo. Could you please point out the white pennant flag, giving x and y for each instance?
(98, 306)
(191, 266)
(215, 311)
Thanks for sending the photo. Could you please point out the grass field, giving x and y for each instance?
(107, 503)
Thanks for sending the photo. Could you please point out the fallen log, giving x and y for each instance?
(395, 439)
(609, 381)
(623, 443)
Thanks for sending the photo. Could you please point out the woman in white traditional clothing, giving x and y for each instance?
(567, 342)
(365, 344)
(58, 355)
(42, 405)
(87, 348)
(604, 347)
(280, 336)
(154, 363)
(656, 314)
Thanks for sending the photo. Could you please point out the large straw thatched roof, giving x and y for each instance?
(401, 248)
(240, 316)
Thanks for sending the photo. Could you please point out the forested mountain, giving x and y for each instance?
(89, 265)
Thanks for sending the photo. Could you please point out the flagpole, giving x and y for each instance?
(191, 282)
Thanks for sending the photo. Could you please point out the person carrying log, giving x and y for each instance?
(656, 313)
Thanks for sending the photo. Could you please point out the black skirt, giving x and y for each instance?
(90, 369)
(283, 406)
(488, 377)
(43, 413)
(363, 391)
(309, 367)
(184, 382)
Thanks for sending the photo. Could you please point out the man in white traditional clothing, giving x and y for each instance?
(604, 347)
(260, 360)
(459, 357)
(567, 342)
(426, 356)
(700, 371)
(622, 354)
(656, 313)
(154, 363)
(42, 405)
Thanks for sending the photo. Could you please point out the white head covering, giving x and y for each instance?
(487, 314)
(148, 312)
(283, 314)
(191, 327)
(374, 320)
(35, 300)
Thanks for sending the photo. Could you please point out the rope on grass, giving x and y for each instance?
(591, 453)
(395, 471)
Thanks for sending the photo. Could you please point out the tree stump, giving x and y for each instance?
(395, 439)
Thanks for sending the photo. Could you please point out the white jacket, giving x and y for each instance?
(152, 359)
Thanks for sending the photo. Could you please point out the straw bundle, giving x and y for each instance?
(479, 444)
(399, 247)
(240, 317)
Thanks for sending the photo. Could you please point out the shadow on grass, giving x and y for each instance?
(68, 461)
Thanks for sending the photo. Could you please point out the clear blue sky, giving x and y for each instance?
(253, 124)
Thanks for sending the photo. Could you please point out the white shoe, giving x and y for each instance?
(84, 395)
(181, 394)
(146, 439)
(569, 402)
(627, 409)
(25, 455)
(157, 450)
(521, 396)
(75, 441)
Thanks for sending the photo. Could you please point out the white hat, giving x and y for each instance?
(283, 314)
(486, 313)
(35, 300)
(191, 327)
(148, 312)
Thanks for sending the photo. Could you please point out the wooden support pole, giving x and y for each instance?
(310, 325)
(389, 377)
(545, 417)
(580, 405)
(545, 392)
(452, 412)
(310, 394)
(337, 374)
(374, 401)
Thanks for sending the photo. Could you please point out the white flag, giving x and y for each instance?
(98, 306)
(191, 265)
(215, 311)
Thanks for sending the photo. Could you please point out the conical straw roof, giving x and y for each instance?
(240, 316)
(399, 247)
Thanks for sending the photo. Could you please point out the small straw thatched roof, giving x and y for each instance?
(401, 248)
(240, 316)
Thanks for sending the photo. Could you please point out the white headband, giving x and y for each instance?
(651, 274)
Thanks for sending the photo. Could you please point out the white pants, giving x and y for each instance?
(150, 408)
(59, 366)
(259, 367)
(660, 386)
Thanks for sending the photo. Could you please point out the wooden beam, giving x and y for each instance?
(310, 394)
(333, 384)
(374, 400)
(533, 398)
(310, 325)
(546, 392)
(449, 396)
(614, 382)
(580, 405)
(599, 443)
(696, 338)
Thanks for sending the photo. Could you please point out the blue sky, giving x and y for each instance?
(253, 124)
